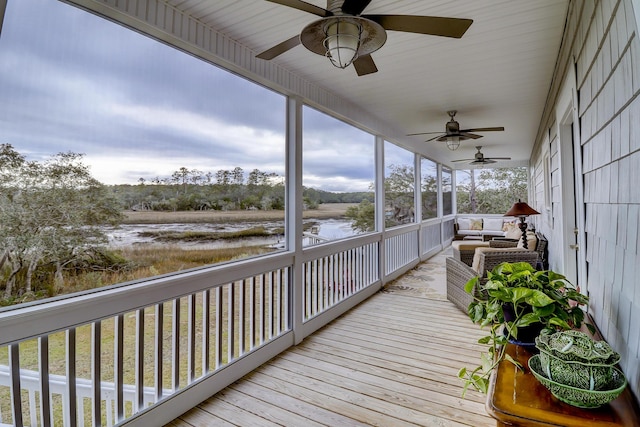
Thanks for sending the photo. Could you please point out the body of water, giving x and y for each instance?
(135, 234)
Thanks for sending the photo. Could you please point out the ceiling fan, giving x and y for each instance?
(345, 36)
(480, 159)
(453, 134)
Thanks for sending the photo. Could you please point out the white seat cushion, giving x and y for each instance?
(492, 224)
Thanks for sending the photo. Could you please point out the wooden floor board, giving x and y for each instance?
(394, 392)
(391, 361)
(389, 372)
(294, 405)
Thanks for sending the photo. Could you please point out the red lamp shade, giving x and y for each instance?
(521, 209)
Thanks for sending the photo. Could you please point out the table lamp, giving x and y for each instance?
(522, 210)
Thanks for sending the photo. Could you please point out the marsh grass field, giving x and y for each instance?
(325, 210)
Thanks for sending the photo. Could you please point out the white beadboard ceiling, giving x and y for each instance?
(497, 74)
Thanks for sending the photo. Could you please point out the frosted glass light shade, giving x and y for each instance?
(342, 42)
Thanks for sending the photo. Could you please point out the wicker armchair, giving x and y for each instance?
(459, 273)
(464, 251)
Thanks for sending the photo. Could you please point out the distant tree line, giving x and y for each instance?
(194, 190)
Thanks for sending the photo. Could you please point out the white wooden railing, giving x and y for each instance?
(152, 349)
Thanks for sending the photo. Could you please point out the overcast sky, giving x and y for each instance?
(70, 81)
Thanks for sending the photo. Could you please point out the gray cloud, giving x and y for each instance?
(137, 108)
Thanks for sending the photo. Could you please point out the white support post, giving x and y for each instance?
(454, 197)
(440, 208)
(417, 198)
(293, 216)
(380, 203)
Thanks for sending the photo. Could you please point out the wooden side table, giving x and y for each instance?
(516, 398)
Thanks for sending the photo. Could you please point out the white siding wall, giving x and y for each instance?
(602, 43)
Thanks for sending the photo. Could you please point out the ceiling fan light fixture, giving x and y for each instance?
(453, 142)
(342, 41)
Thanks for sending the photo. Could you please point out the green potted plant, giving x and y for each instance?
(530, 298)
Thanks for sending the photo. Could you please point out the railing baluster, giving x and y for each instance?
(263, 309)
(272, 309)
(118, 365)
(14, 366)
(278, 304)
(33, 407)
(206, 329)
(81, 412)
(109, 410)
(241, 318)
(159, 340)
(71, 411)
(45, 395)
(313, 284)
(318, 279)
(252, 313)
(96, 375)
(308, 280)
(139, 360)
(175, 345)
(191, 338)
(285, 306)
(219, 341)
(230, 321)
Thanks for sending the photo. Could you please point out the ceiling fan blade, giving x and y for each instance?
(495, 129)
(461, 160)
(355, 7)
(422, 133)
(364, 65)
(435, 138)
(431, 25)
(304, 6)
(470, 135)
(442, 138)
(482, 162)
(279, 48)
(497, 158)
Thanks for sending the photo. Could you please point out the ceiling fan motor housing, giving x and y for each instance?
(453, 127)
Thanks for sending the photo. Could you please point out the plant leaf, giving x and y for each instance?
(468, 287)
(527, 319)
(480, 383)
(484, 340)
(486, 362)
(520, 294)
(556, 321)
(547, 310)
(538, 299)
(512, 360)
(478, 313)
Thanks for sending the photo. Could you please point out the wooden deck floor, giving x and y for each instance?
(392, 361)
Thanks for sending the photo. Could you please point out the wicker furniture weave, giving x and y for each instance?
(458, 273)
(541, 248)
(464, 250)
